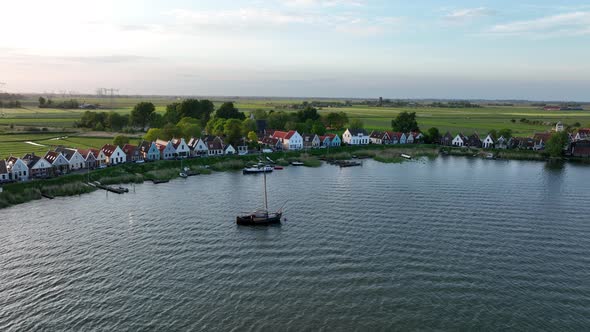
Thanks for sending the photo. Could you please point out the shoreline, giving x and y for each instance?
(165, 170)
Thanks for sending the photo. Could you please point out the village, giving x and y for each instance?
(63, 160)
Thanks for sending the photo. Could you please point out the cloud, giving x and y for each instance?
(567, 24)
(323, 3)
(466, 14)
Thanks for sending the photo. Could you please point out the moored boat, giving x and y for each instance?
(297, 163)
(261, 216)
(257, 169)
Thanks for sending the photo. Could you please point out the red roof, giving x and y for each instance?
(109, 149)
(129, 148)
(283, 134)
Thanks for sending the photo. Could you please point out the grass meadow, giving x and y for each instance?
(16, 124)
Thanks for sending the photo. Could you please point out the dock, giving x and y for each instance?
(116, 190)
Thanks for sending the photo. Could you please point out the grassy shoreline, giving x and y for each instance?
(76, 184)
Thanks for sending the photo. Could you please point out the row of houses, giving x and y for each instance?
(293, 140)
(65, 160)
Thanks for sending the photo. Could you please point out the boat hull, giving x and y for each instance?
(257, 221)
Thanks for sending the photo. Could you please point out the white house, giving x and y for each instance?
(89, 159)
(355, 137)
(114, 154)
(198, 147)
(291, 140)
(242, 147)
(18, 169)
(75, 159)
(229, 149)
(559, 127)
(182, 149)
(488, 142)
(4, 174)
(502, 143)
(42, 168)
(409, 138)
(214, 146)
(167, 150)
(311, 141)
(57, 160)
(459, 140)
(99, 156)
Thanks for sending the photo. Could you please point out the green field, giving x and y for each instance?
(16, 121)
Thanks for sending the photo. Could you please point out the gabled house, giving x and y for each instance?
(325, 141)
(229, 149)
(488, 142)
(41, 168)
(580, 148)
(559, 127)
(149, 151)
(311, 141)
(89, 159)
(4, 174)
(271, 143)
(582, 134)
(418, 137)
(132, 153)
(18, 169)
(243, 146)
(446, 139)
(59, 162)
(166, 148)
(376, 137)
(100, 157)
(459, 140)
(335, 140)
(75, 159)
(182, 149)
(291, 140)
(215, 145)
(540, 139)
(523, 143)
(474, 141)
(198, 147)
(356, 137)
(114, 154)
(502, 143)
(409, 138)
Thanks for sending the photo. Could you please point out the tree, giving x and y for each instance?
(336, 120)
(116, 121)
(140, 115)
(494, 134)
(252, 137)
(170, 131)
(556, 144)
(228, 111)
(157, 120)
(153, 134)
(205, 111)
(318, 128)
(120, 140)
(405, 122)
(248, 125)
(233, 131)
(42, 102)
(189, 127)
(432, 135)
(260, 114)
(172, 114)
(506, 133)
(356, 124)
(215, 126)
(189, 108)
(278, 120)
(309, 113)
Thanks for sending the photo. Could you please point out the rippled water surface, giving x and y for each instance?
(446, 244)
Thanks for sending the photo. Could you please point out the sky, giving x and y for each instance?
(458, 49)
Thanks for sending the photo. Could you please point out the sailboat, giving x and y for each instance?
(261, 216)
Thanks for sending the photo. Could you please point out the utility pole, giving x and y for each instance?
(110, 92)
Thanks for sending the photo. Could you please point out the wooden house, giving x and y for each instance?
(335, 140)
(75, 159)
(182, 149)
(100, 157)
(474, 141)
(18, 169)
(501, 143)
(580, 148)
(41, 168)
(356, 137)
(114, 154)
(4, 174)
(243, 146)
(198, 147)
(132, 153)
(59, 162)
(89, 159)
(291, 140)
(229, 149)
(540, 139)
(215, 145)
(149, 151)
(166, 148)
(409, 138)
(488, 142)
(271, 143)
(376, 137)
(459, 140)
(446, 139)
(311, 141)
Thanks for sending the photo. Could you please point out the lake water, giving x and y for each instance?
(451, 243)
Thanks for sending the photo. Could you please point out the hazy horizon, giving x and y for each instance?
(534, 51)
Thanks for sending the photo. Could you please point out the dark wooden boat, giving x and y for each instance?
(261, 217)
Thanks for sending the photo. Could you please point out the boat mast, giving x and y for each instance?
(265, 196)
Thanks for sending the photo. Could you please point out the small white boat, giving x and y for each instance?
(183, 175)
(255, 170)
(403, 155)
(297, 163)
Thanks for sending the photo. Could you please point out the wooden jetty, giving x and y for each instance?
(116, 190)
